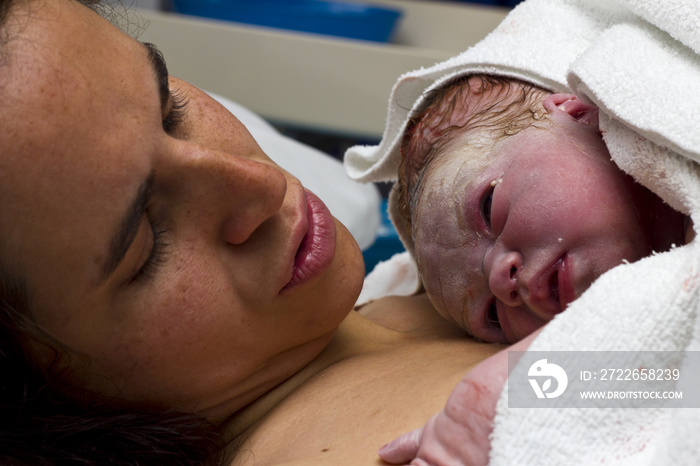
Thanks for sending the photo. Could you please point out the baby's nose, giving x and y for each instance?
(503, 277)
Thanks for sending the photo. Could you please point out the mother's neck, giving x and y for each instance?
(355, 335)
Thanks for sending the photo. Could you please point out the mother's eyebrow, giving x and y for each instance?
(129, 225)
(160, 70)
(127, 229)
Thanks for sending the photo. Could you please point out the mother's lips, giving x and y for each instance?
(317, 246)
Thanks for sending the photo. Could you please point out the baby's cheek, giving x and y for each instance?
(426, 256)
(432, 276)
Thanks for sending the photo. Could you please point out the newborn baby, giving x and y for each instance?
(512, 207)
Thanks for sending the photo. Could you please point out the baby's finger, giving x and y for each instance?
(401, 449)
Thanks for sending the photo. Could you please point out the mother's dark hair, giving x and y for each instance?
(44, 422)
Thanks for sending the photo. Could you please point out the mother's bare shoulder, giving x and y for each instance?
(413, 315)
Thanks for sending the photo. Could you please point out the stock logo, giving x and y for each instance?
(546, 372)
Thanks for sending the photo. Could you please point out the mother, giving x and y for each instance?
(168, 293)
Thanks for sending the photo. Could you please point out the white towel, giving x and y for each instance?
(542, 60)
(638, 61)
(396, 276)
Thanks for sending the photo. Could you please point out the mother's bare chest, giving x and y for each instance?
(343, 415)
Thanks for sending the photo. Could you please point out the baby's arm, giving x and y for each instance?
(459, 434)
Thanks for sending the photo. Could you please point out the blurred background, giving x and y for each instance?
(285, 42)
(167, 4)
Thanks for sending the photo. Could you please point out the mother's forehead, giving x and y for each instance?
(62, 106)
(62, 68)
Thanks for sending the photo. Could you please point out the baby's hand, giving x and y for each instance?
(459, 434)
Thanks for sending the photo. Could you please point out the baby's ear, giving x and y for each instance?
(572, 106)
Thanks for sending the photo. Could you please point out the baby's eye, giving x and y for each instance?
(486, 206)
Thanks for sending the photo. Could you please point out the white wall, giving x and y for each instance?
(150, 4)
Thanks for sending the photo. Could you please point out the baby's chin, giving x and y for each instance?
(509, 326)
(517, 324)
(482, 327)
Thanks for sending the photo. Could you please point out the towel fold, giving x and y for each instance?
(638, 61)
(542, 59)
(396, 276)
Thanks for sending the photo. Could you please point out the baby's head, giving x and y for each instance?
(509, 200)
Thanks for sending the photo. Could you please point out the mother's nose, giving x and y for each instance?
(230, 195)
(502, 269)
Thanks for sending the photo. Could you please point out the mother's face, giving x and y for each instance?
(168, 248)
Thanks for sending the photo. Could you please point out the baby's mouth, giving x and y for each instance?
(554, 285)
(549, 293)
(563, 283)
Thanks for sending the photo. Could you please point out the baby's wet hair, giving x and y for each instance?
(493, 107)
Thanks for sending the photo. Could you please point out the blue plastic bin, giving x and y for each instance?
(387, 243)
(336, 18)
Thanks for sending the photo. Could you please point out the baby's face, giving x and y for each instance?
(504, 249)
